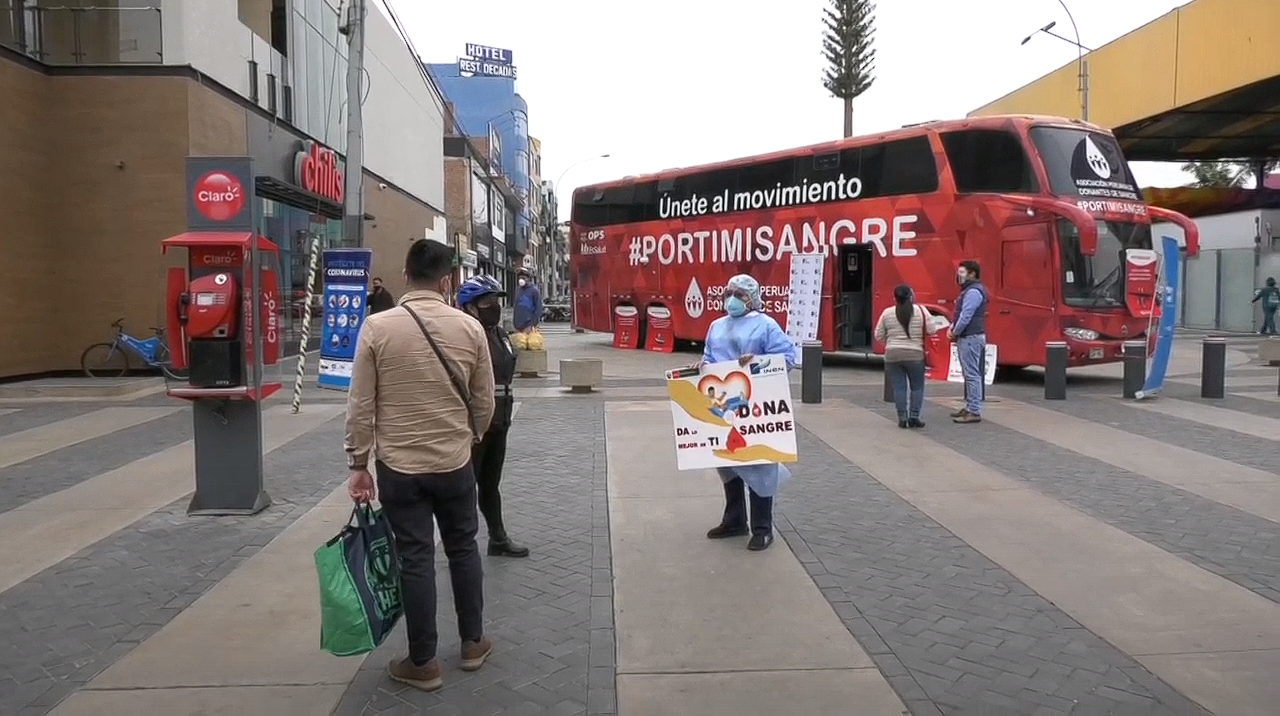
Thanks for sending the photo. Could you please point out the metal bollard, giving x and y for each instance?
(1213, 368)
(888, 386)
(1135, 367)
(1055, 370)
(811, 372)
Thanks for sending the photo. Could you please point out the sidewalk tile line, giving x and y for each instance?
(1245, 488)
(1221, 418)
(34, 442)
(1138, 597)
(217, 641)
(1269, 396)
(661, 559)
(59, 525)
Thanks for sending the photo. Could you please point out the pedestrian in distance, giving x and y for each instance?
(902, 328)
(1270, 297)
(421, 393)
(380, 299)
(479, 296)
(527, 311)
(742, 334)
(969, 333)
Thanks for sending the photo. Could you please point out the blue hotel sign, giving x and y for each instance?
(485, 61)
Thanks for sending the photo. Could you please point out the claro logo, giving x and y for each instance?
(218, 196)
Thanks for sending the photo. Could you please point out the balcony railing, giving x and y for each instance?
(83, 35)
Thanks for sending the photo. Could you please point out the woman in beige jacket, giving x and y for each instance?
(902, 328)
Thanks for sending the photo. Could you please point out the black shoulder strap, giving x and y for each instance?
(458, 386)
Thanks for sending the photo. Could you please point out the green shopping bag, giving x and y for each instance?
(359, 584)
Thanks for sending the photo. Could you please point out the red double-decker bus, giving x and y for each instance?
(1047, 206)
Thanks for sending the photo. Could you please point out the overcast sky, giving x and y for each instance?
(670, 83)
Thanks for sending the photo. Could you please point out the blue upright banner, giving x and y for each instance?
(346, 291)
(1168, 315)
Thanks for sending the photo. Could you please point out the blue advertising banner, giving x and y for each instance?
(1168, 311)
(346, 290)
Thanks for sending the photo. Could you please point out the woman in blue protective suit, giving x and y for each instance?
(741, 335)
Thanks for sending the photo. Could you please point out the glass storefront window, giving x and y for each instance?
(292, 230)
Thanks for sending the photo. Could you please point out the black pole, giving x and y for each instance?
(811, 372)
(1135, 367)
(888, 385)
(1055, 370)
(1213, 368)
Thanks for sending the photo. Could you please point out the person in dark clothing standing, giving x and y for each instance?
(1270, 297)
(478, 296)
(380, 299)
(969, 332)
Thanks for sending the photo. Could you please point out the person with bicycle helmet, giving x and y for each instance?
(479, 296)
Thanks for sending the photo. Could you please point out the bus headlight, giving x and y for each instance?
(1081, 334)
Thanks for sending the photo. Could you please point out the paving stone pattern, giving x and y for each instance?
(952, 631)
(60, 469)
(551, 615)
(31, 415)
(67, 624)
(1229, 542)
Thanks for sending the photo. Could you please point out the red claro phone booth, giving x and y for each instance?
(213, 324)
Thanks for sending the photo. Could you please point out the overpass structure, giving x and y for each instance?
(1198, 83)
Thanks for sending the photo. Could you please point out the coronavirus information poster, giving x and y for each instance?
(346, 290)
(804, 299)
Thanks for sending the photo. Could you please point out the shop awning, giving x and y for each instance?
(214, 238)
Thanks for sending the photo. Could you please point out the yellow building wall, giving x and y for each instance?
(1197, 51)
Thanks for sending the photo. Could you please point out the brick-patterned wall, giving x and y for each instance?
(27, 282)
(400, 221)
(457, 198)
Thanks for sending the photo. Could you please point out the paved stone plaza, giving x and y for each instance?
(1090, 556)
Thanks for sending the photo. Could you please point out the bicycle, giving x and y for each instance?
(111, 360)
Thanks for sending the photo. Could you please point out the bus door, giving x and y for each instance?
(854, 323)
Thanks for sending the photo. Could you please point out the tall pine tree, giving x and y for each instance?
(846, 43)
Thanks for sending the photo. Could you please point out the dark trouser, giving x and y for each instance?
(488, 456)
(907, 379)
(735, 508)
(413, 504)
(1269, 320)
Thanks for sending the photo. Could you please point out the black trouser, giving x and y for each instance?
(735, 508)
(413, 504)
(489, 455)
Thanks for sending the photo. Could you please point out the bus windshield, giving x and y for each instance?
(1098, 281)
(1084, 164)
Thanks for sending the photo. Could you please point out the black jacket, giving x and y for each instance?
(503, 356)
(381, 301)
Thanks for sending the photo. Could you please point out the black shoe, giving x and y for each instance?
(723, 531)
(760, 542)
(507, 548)
(915, 423)
(902, 422)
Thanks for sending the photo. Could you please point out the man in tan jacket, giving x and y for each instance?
(421, 392)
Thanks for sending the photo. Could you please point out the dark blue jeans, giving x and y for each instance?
(907, 379)
(1269, 320)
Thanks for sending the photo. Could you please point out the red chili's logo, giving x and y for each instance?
(218, 196)
(316, 170)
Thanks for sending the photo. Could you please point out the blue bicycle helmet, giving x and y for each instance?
(477, 287)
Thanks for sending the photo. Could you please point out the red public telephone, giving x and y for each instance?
(212, 305)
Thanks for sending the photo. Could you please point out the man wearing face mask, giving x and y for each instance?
(478, 296)
(969, 333)
(527, 312)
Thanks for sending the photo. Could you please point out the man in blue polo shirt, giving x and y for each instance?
(969, 333)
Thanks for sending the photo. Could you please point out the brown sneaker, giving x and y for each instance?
(968, 417)
(426, 677)
(960, 413)
(474, 653)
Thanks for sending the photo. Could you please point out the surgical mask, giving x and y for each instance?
(522, 282)
(489, 316)
(735, 306)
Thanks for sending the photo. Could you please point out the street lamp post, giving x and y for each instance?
(556, 189)
(1082, 65)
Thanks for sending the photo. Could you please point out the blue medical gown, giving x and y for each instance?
(756, 334)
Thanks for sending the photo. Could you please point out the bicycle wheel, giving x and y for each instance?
(163, 362)
(104, 360)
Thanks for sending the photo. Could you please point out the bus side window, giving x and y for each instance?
(988, 160)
